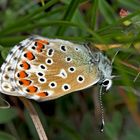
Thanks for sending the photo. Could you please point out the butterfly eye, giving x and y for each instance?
(107, 83)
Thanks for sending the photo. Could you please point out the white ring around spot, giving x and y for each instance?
(66, 85)
(53, 82)
(49, 59)
(80, 76)
(71, 71)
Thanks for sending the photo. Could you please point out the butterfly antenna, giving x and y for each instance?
(102, 110)
(4, 106)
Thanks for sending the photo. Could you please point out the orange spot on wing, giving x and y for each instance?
(40, 45)
(29, 55)
(44, 42)
(32, 89)
(25, 82)
(39, 49)
(22, 74)
(25, 65)
(42, 94)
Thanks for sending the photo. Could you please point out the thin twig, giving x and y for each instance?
(105, 47)
(35, 118)
(130, 66)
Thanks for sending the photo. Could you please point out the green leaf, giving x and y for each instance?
(69, 13)
(112, 128)
(132, 134)
(7, 115)
(31, 27)
(25, 20)
(1, 47)
(94, 16)
(10, 41)
(6, 136)
(68, 129)
(133, 4)
(5, 52)
(87, 126)
(107, 11)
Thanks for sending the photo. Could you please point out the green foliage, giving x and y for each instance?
(7, 115)
(107, 11)
(97, 21)
(113, 128)
(6, 136)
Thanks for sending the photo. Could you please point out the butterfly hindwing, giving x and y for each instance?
(7, 69)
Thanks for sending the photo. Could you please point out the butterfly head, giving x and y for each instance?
(105, 70)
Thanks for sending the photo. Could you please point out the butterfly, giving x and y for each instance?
(43, 69)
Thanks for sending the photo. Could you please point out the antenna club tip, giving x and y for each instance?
(102, 126)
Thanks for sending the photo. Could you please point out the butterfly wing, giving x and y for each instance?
(7, 69)
(49, 68)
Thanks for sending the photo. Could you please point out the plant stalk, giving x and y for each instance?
(35, 118)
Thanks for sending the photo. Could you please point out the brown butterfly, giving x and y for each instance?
(44, 69)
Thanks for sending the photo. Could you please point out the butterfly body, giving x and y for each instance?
(43, 69)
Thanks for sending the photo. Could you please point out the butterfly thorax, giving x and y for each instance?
(105, 69)
(102, 62)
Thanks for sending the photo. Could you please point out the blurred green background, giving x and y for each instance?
(73, 117)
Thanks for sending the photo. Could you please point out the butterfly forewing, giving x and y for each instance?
(46, 69)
